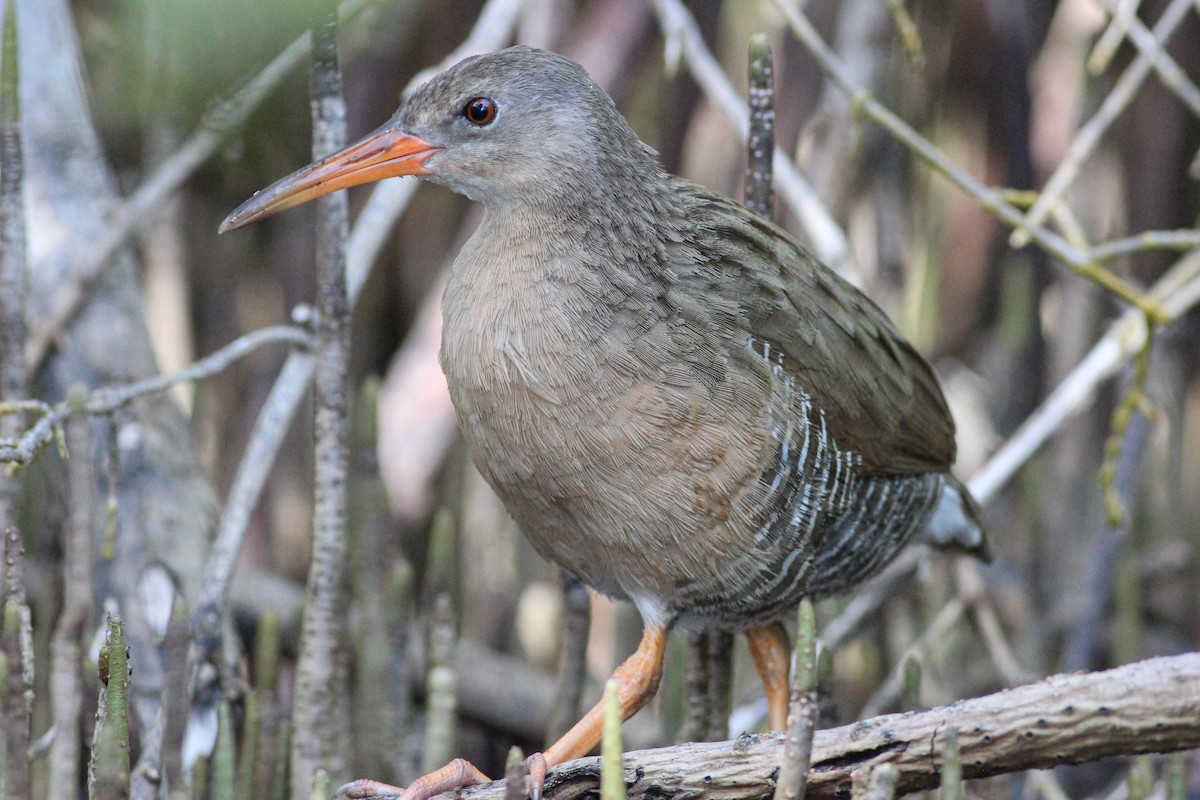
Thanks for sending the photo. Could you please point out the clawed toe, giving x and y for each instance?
(536, 766)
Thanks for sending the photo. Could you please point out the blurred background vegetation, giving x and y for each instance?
(1002, 87)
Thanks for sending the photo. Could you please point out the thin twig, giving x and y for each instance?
(1169, 72)
(802, 709)
(66, 646)
(1089, 134)
(1176, 293)
(14, 275)
(89, 258)
(106, 400)
(1118, 28)
(990, 199)
(760, 145)
(941, 625)
(681, 31)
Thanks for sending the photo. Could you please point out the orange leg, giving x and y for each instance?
(637, 680)
(772, 656)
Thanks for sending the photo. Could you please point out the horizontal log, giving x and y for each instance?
(1150, 706)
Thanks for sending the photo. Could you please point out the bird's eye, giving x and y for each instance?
(480, 111)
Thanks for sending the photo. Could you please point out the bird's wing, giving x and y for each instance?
(880, 397)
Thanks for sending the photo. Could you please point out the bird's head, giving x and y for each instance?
(508, 126)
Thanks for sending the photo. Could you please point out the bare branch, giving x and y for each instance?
(89, 257)
(1088, 136)
(1177, 292)
(990, 199)
(1147, 707)
(681, 30)
(109, 399)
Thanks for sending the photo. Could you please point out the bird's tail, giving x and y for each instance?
(957, 522)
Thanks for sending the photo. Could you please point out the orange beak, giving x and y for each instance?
(386, 153)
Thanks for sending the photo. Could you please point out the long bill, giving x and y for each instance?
(385, 153)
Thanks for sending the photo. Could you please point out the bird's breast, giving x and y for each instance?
(619, 461)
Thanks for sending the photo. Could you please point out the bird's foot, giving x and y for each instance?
(455, 775)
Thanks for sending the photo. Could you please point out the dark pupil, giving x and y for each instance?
(479, 111)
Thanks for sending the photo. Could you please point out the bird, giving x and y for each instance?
(675, 401)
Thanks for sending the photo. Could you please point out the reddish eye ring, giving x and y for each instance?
(480, 111)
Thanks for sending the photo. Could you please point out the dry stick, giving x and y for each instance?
(572, 661)
(760, 143)
(174, 703)
(802, 709)
(695, 726)
(66, 651)
(681, 31)
(372, 229)
(1176, 292)
(108, 769)
(14, 278)
(91, 258)
(1150, 706)
(108, 399)
(441, 682)
(320, 713)
(710, 713)
(1088, 135)
(990, 199)
(1169, 72)
(720, 684)
(881, 783)
(272, 744)
(937, 631)
(17, 600)
(1118, 28)
(514, 775)
(16, 640)
(375, 728)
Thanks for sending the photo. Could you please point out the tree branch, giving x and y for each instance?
(1147, 707)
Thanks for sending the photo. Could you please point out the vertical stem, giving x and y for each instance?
(952, 785)
(695, 702)
(802, 709)
(572, 664)
(108, 772)
(441, 705)
(514, 775)
(760, 192)
(224, 762)
(720, 684)
(612, 772)
(321, 714)
(13, 275)
(66, 680)
(16, 693)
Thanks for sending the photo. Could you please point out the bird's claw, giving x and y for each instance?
(536, 766)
